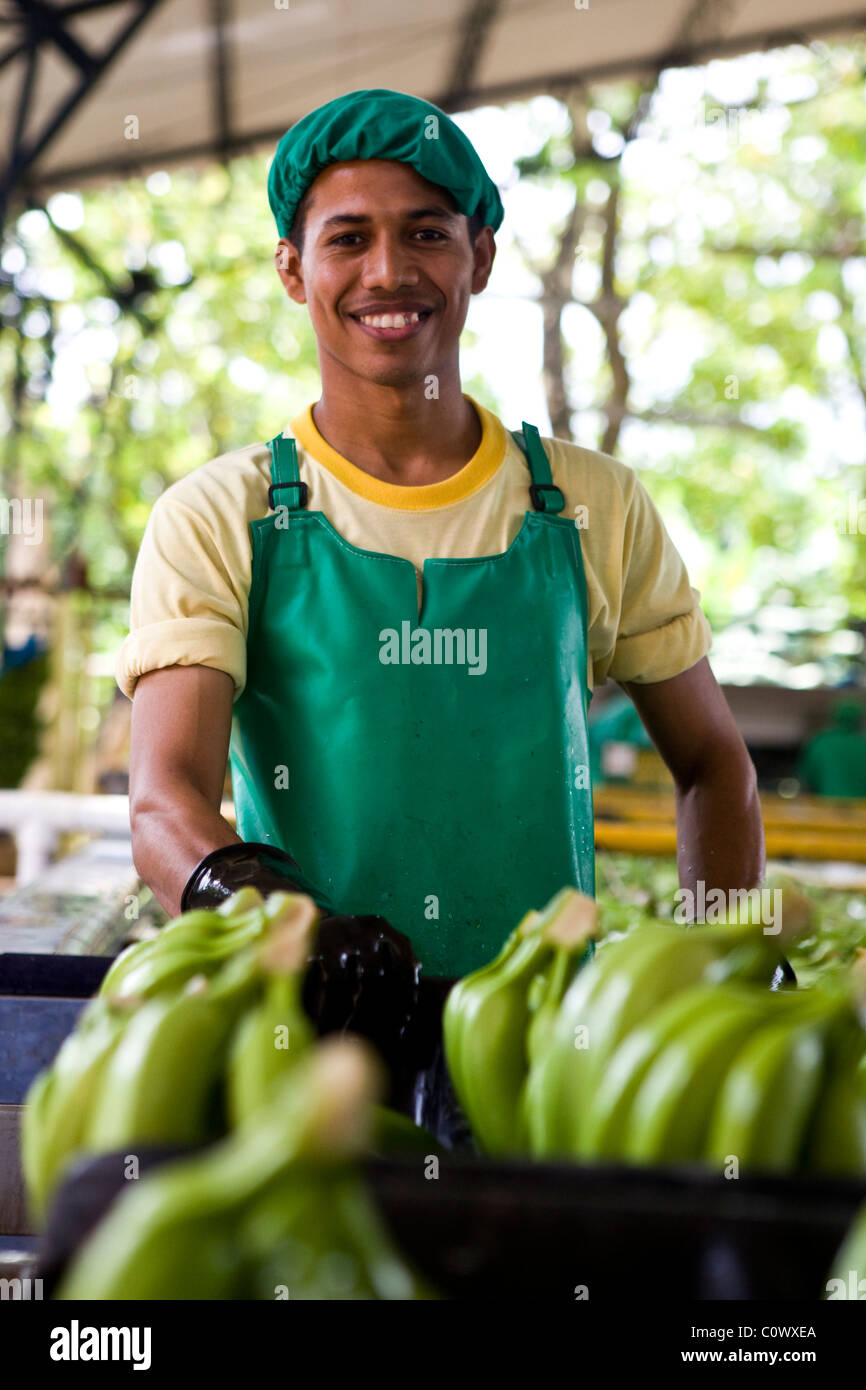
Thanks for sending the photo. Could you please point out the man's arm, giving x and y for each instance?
(179, 740)
(720, 834)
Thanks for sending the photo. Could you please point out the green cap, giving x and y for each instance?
(381, 124)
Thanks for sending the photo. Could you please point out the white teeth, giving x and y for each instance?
(390, 320)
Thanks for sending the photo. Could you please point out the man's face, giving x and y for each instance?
(381, 241)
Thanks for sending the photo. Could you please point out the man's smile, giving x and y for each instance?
(394, 323)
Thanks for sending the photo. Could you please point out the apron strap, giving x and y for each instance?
(284, 473)
(545, 495)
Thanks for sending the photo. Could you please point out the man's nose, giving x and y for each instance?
(389, 264)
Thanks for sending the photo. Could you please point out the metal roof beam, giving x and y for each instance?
(474, 33)
(679, 57)
(45, 25)
(134, 163)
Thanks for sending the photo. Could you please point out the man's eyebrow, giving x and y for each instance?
(414, 215)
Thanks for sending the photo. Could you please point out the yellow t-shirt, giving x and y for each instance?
(190, 587)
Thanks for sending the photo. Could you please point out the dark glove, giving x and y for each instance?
(225, 871)
(362, 977)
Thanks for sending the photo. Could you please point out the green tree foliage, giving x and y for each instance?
(740, 253)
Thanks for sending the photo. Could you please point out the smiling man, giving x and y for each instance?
(392, 616)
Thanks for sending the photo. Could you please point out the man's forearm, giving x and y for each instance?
(169, 840)
(720, 834)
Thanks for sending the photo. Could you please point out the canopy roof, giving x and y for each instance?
(91, 89)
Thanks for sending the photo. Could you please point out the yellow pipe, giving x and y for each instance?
(637, 837)
(804, 813)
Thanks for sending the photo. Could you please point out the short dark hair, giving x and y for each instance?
(296, 231)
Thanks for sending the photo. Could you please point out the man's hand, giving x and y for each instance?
(179, 740)
(720, 835)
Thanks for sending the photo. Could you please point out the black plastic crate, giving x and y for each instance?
(493, 1230)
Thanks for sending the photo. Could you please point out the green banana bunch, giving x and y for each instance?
(629, 979)
(488, 1014)
(58, 1103)
(275, 1032)
(134, 1070)
(252, 1212)
(195, 943)
(163, 1082)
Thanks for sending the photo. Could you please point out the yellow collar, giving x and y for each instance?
(462, 484)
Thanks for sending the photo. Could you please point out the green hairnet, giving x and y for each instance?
(380, 124)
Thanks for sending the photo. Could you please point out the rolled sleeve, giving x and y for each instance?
(187, 608)
(662, 629)
(181, 642)
(665, 651)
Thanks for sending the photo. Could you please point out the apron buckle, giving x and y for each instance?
(538, 502)
(302, 493)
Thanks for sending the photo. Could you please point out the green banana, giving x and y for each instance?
(35, 1120)
(317, 1236)
(836, 1142)
(383, 1270)
(290, 1240)
(453, 1018)
(837, 1136)
(606, 1119)
(568, 932)
(276, 1030)
(58, 1104)
(555, 1080)
(184, 948)
(487, 1071)
(672, 1106)
(763, 1109)
(179, 1232)
(603, 1125)
(487, 1015)
(163, 1082)
(799, 1097)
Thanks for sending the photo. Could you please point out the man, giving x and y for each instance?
(832, 761)
(392, 616)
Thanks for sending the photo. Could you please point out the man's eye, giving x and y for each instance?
(351, 238)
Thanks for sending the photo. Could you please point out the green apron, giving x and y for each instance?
(432, 768)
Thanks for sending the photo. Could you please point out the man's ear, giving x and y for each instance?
(288, 263)
(484, 253)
